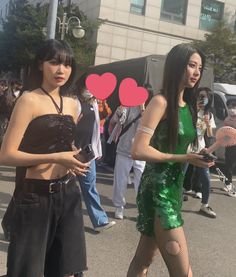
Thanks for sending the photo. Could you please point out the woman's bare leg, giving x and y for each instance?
(146, 251)
(173, 247)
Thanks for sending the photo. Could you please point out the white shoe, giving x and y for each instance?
(206, 210)
(228, 187)
(198, 195)
(104, 226)
(119, 213)
(232, 193)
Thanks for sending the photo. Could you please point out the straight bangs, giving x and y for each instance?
(61, 55)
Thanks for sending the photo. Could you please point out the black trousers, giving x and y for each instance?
(230, 162)
(47, 231)
(191, 181)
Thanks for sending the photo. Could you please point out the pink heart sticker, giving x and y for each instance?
(101, 86)
(130, 94)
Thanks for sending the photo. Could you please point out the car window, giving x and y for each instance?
(219, 107)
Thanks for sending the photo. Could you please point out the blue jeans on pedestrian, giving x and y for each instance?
(203, 177)
(91, 197)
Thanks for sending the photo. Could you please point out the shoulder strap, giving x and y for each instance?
(126, 128)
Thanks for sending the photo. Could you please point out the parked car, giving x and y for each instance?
(222, 93)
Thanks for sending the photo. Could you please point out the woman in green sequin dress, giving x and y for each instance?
(165, 132)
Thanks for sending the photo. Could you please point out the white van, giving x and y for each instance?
(222, 93)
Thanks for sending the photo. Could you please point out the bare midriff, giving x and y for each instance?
(46, 171)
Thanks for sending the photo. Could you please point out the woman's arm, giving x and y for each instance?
(141, 149)
(210, 124)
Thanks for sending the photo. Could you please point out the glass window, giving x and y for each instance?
(219, 107)
(138, 6)
(211, 12)
(174, 11)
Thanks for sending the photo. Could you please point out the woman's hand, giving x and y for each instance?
(207, 119)
(75, 166)
(198, 160)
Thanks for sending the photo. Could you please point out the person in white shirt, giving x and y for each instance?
(205, 125)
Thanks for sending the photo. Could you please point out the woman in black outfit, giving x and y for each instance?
(47, 231)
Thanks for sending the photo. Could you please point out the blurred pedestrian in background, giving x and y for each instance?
(230, 152)
(125, 122)
(9, 92)
(205, 126)
(88, 132)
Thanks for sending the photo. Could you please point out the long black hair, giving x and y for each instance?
(52, 49)
(175, 67)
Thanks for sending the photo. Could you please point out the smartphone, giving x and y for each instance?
(208, 157)
(86, 154)
(201, 99)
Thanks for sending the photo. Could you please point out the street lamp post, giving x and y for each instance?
(51, 21)
(77, 30)
(49, 31)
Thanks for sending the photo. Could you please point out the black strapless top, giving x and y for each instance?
(45, 134)
(49, 133)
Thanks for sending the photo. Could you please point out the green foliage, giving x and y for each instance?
(84, 48)
(220, 49)
(22, 35)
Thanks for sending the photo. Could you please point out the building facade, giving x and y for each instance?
(135, 28)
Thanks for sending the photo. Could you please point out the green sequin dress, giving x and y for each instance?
(160, 192)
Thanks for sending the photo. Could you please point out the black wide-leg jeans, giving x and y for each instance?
(47, 230)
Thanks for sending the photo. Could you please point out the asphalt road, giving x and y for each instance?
(211, 242)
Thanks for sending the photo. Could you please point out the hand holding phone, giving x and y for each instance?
(86, 154)
(208, 157)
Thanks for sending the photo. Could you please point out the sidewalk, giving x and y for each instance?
(211, 242)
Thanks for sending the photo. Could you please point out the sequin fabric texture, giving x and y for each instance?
(160, 192)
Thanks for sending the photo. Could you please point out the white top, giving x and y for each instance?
(96, 140)
(201, 129)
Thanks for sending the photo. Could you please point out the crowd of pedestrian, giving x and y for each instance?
(200, 177)
(10, 90)
(57, 133)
